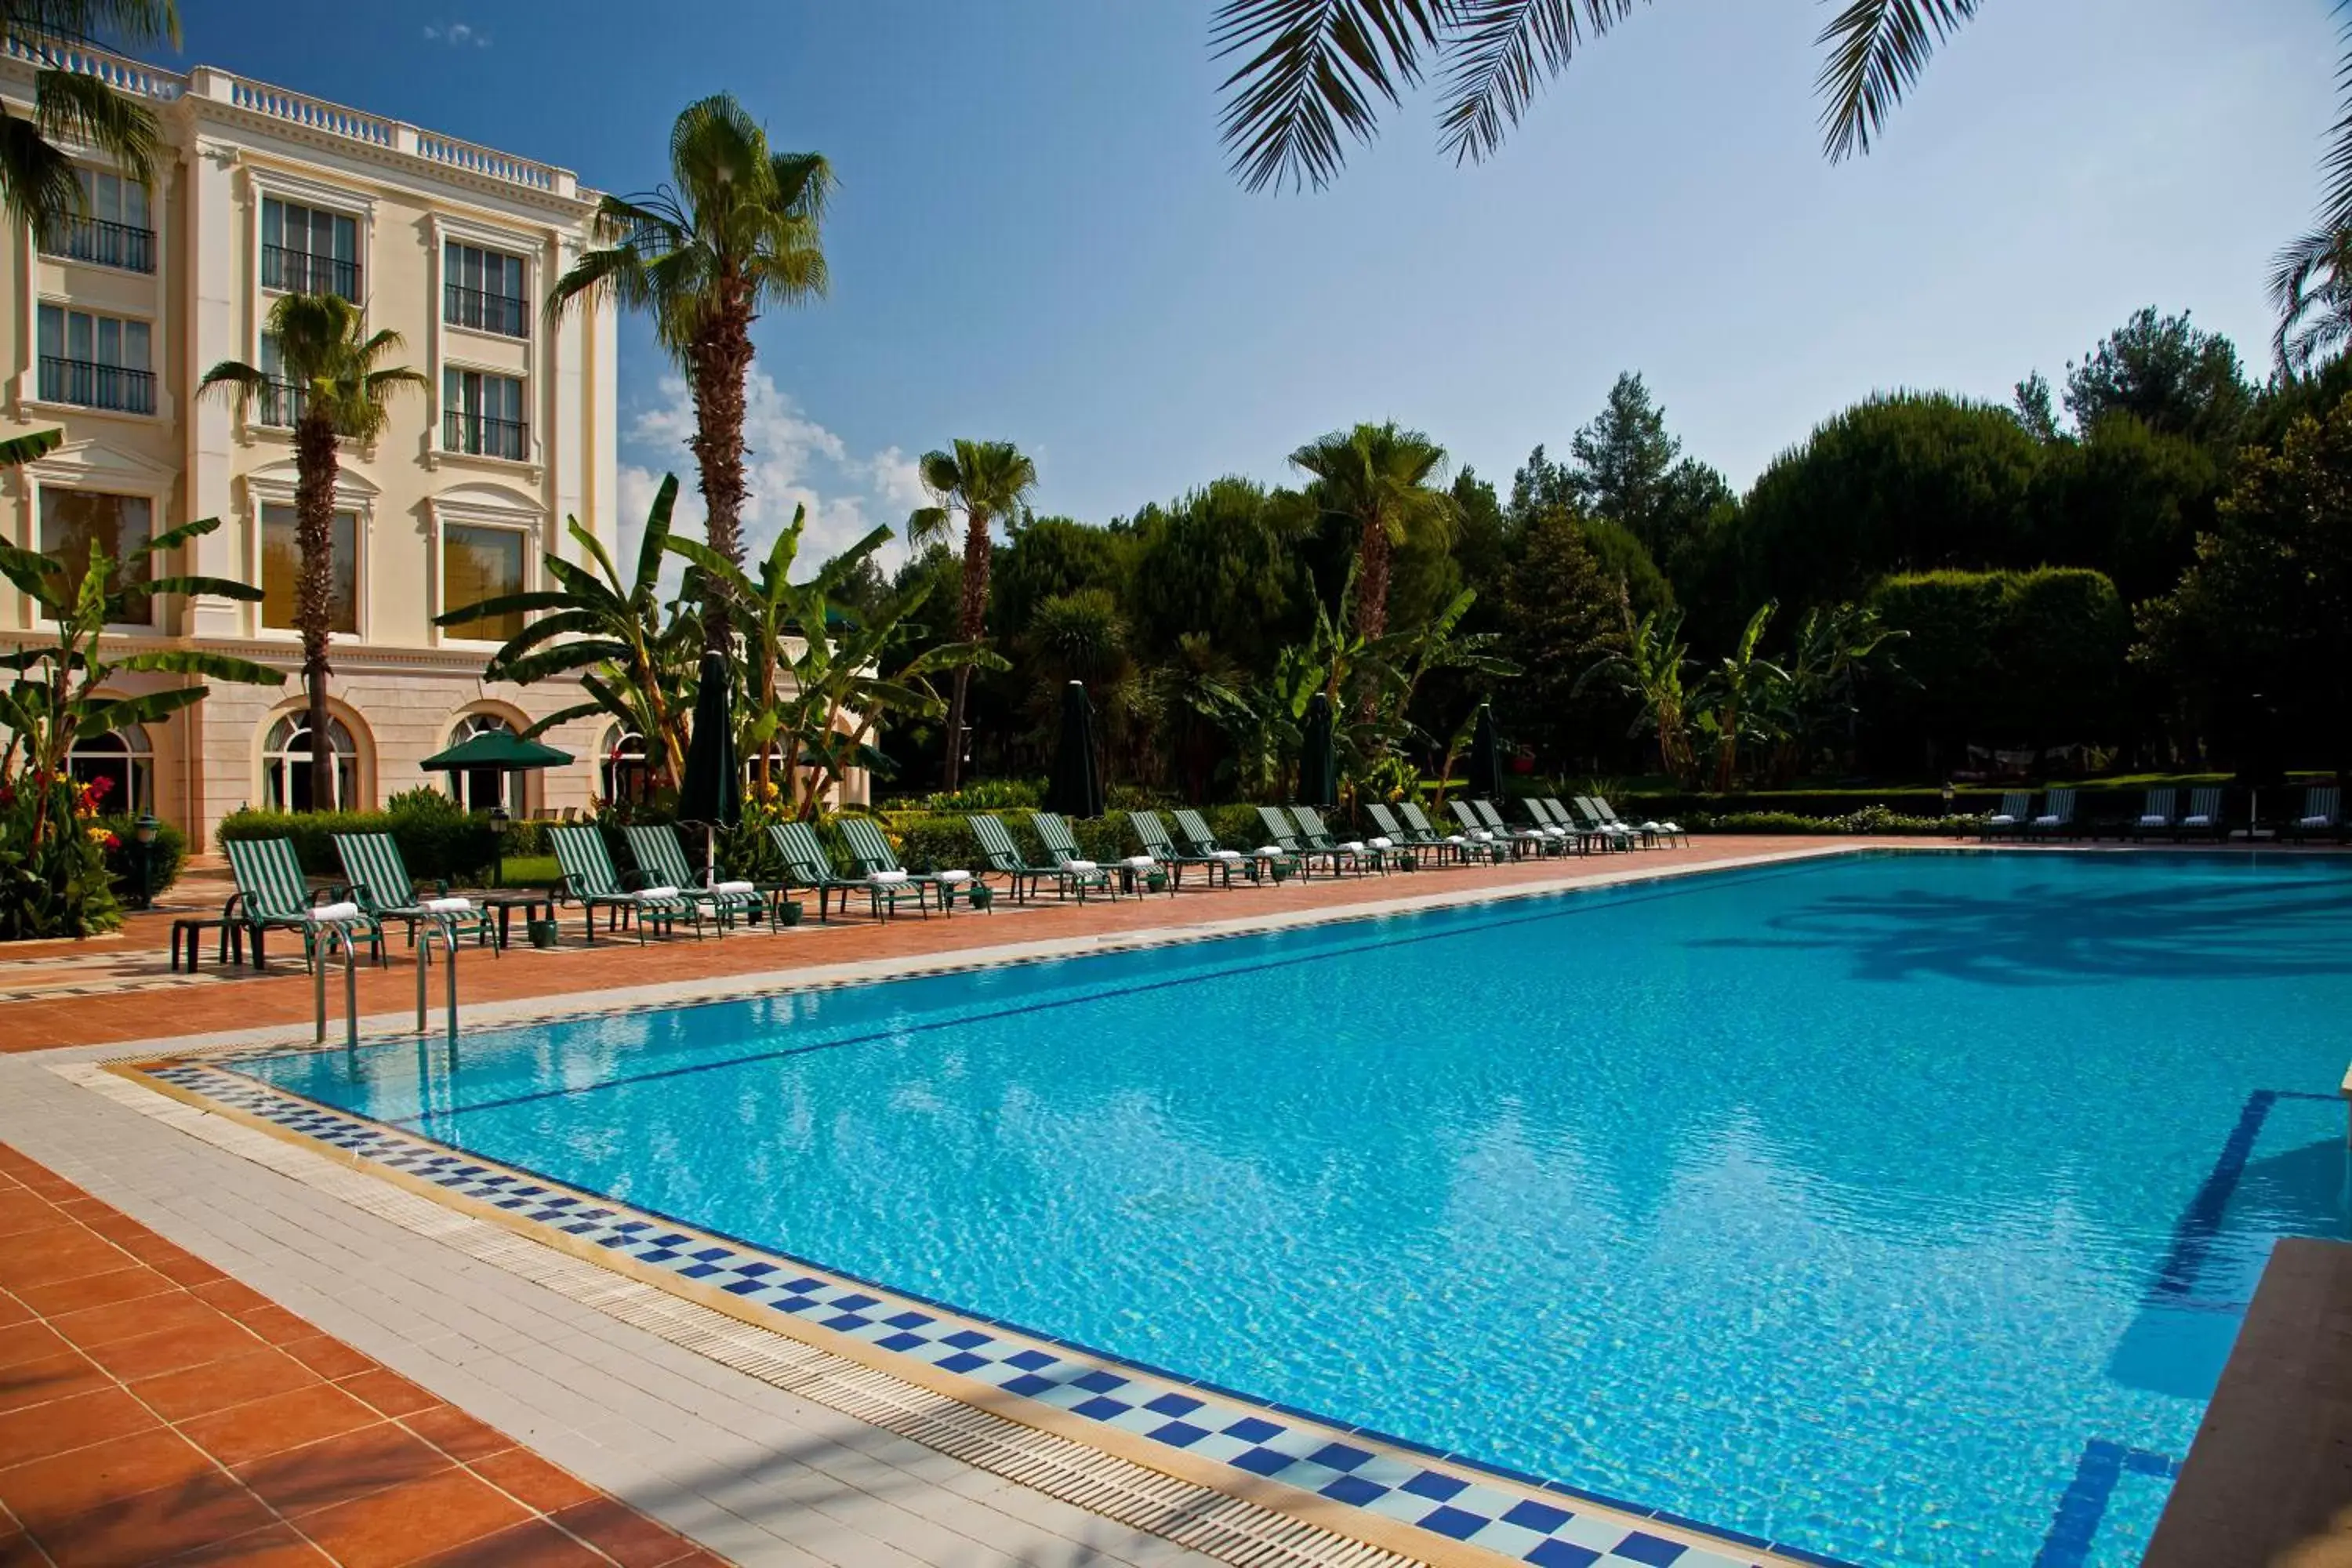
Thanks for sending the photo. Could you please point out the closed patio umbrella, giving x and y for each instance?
(1318, 763)
(712, 790)
(1485, 757)
(1076, 788)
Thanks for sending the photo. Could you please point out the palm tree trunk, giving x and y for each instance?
(971, 624)
(1372, 580)
(720, 359)
(314, 537)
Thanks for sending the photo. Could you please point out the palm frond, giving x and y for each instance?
(1877, 50)
(37, 184)
(2336, 201)
(1311, 71)
(18, 450)
(1497, 53)
(72, 107)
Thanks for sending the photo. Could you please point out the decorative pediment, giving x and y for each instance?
(481, 495)
(96, 462)
(277, 481)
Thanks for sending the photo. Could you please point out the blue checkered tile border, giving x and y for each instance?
(1521, 1519)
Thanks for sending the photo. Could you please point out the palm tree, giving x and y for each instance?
(2311, 289)
(738, 227)
(986, 481)
(39, 185)
(1384, 480)
(338, 388)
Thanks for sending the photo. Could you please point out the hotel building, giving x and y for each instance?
(109, 323)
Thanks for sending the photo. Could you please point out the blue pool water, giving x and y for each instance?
(1902, 1206)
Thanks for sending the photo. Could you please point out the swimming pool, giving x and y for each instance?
(1900, 1205)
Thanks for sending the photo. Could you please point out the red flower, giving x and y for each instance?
(113, 842)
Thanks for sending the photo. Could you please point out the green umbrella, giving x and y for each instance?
(712, 790)
(1076, 788)
(1318, 765)
(501, 749)
(1485, 757)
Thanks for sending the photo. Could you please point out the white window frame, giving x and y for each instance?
(47, 407)
(529, 459)
(444, 353)
(274, 489)
(261, 184)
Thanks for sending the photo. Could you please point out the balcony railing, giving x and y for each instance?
(101, 240)
(93, 385)
(300, 272)
(485, 311)
(485, 437)
(281, 404)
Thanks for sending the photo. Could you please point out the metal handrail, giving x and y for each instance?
(330, 934)
(444, 927)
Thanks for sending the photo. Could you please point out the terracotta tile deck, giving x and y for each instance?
(283, 993)
(153, 1410)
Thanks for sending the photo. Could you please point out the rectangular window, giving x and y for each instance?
(482, 413)
(478, 564)
(97, 361)
(114, 228)
(483, 289)
(281, 570)
(306, 250)
(74, 523)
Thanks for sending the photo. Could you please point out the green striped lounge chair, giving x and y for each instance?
(591, 881)
(1556, 839)
(272, 894)
(1004, 857)
(1201, 841)
(886, 881)
(2322, 812)
(379, 884)
(1651, 829)
(1153, 833)
(2056, 817)
(2203, 817)
(1282, 840)
(1615, 834)
(1461, 847)
(808, 864)
(1386, 825)
(1522, 840)
(1317, 837)
(1559, 817)
(1071, 868)
(2008, 822)
(661, 859)
(2159, 813)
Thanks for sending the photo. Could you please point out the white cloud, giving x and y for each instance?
(456, 34)
(789, 460)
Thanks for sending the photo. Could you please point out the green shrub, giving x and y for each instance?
(437, 843)
(170, 852)
(56, 885)
(1870, 819)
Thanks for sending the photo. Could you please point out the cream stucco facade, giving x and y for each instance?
(105, 328)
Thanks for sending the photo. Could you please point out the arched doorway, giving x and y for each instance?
(125, 759)
(482, 789)
(286, 765)
(621, 766)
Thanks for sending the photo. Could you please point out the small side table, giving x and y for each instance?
(506, 901)
(231, 939)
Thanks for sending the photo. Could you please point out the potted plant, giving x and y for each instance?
(979, 895)
(1156, 880)
(788, 912)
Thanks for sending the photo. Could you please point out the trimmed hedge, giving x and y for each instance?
(1874, 819)
(434, 844)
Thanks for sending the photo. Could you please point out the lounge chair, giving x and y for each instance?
(1476, 837)
(379, 884)
(887, 880)
(1404, 838)
(662, 858)
(2322, 812)
(591, 881)
(1201, 841)
(808, 864)
(1588, 833)
(272, 894)
(1616, 835)
(1073, 871)
(2203, 817)
(1463, 847)
(1317, 837)
(1556, 839)
(1286, 837)
(2056, 817)
(1521, 838)
(2160, 813)
(2008, 822)
(1153, 833)
(1652, 830)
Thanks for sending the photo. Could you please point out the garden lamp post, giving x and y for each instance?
(143, 834)
(498, 839)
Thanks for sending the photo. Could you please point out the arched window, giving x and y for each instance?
(286, 765)
(125, 759)
(623, 765)
(479, 789)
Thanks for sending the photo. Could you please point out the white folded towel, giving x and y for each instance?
(1665, 828)
(1225, 855)
(887, 877)
(447, 906)
(2196, 819)
(1353, 846)
(1080, 865)
(2155, 819)
(1383, 843)
(1268, 852)
(1138, 863)
(951, 875)
(2316, 822)
(2046, 820)
(653, 895)
(327, 914)
(733, 888)
(2000, 819)
(1455, 838)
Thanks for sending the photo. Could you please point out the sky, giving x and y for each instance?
(1036, 237)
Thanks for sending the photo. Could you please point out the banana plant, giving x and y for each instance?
(633, 655)
(1737, 699)
(59, 692)
(1652, 667)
